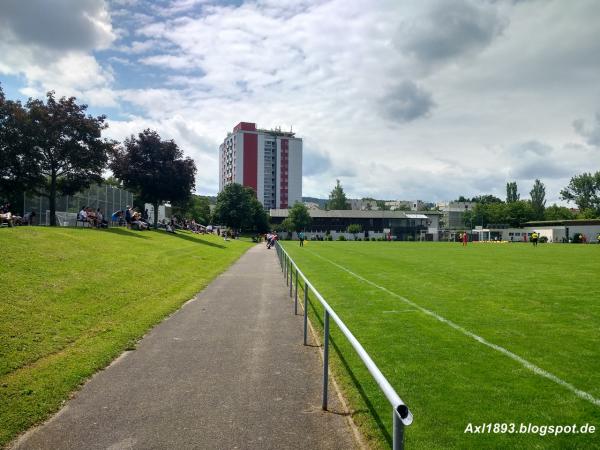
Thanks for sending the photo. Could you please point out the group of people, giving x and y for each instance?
(7, 217)
(134, 219)
(94, 218)
(271, 239)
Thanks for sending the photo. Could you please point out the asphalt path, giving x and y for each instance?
(226, 371)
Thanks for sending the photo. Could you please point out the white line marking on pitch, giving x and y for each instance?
(535, 369)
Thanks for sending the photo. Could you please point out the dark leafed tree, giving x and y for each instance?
(381, 205)
(68, 146)
(300, 216)
(337, 198)
(259, 222)
(584, 190)
(238, 208)
(233, 206)
(486, 199)
(556, 212)
(155, 169)
(19, 161)
(512, 194)
(538, 199)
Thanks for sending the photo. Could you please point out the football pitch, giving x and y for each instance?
(489, 345)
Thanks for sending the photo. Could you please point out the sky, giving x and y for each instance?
(397, 99)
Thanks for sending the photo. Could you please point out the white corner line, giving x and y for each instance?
(535, 369)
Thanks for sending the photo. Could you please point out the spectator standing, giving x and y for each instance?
(128, 214)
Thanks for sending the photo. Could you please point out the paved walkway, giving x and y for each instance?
(228, 370)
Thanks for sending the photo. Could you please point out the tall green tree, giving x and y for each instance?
(155, 169)
(513, 214)
(232, 207)
(584, 191)
(71, 152)
(258, 220)
(381, 205)
(486, 199)
(538, 199)
(512, 194)
(287, 224)
(300, 216)
(337, 198)
(238, 208)
(463, 199)
(19, 161)
(556, 212)
(519, 212)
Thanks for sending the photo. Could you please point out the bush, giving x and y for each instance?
(373, 239)
(543, 239)
(329, 238)
(380, 239)
(358, 239)
(341, 237)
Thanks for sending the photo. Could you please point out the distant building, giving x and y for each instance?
(553, 230)
(312, 205)
(454, 212)
(402, 225)
(268, 161)
(399, 205)
(363, 205)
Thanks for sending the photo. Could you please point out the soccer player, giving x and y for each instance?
(534, 239)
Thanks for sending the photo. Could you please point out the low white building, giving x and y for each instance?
(564, 230)
(554, 231)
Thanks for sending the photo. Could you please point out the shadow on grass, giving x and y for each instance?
(353, 377)
(188, 237)
(125, 232)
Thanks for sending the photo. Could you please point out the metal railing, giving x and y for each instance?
(400, 412)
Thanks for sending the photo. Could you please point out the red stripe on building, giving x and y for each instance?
(283, 174)
(251, 161)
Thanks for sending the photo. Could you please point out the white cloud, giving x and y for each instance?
(495, 86)
(50, 46)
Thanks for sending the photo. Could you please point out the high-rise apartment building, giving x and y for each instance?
(268, 161)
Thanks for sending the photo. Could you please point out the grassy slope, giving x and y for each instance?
(73, 299)
(542, 304)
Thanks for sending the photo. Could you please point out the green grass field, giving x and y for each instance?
(74, 299)
(542, 304)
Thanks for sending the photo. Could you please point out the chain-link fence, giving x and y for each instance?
(108, 198)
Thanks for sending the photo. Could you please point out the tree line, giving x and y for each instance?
(583, 189)
(53, 147)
